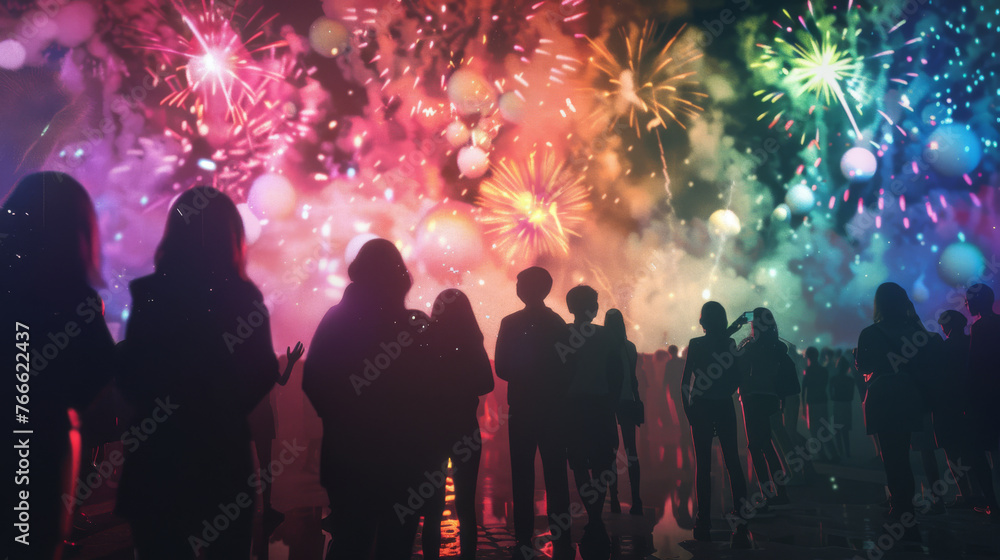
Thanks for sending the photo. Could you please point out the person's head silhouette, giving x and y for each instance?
(672, 350)
(952, 322)
(812, 355)
(763, 326)
(379, 266)
(48, 231)
(979, 298)
(713, 318)
(892, 305)
(452, 313)
(204, 237)
(533, 285)
(615, 323)
(582, 303)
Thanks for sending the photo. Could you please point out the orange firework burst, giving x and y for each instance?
(649, 85)
(215, 63)
(533, 208)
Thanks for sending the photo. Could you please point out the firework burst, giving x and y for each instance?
(814, 58)
(648, 84)
(532, 209)
(211, 62)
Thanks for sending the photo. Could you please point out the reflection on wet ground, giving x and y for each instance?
(835, 511)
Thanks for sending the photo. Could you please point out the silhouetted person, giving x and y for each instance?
(792, 403)
(527, 359)
(842, 390)
(762, 360)
(815, 395)
(983, 380)
(367, 376)
(953, 429)
(58, 353)
(893, 406)
(197, 358)
(598, 362)
(707, 387)
(630, 411)
(466, 375)
(263, 430)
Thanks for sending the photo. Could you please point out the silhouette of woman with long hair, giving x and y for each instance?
(893, 404)
(630, 411)
(197, 358)
(762, 358)
(62, 354)
(465, 375)
(707, 388)
(366, 376)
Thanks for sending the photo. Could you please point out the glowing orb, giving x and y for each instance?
(12, 54)
(858, 164)
(473, 162)
(511, 107)
(77, 22)
(723, 223)
(481, 138)
(457, 133)
(271, 196)
(251, 225)
(961, 263)
(781, 213)
(800, 199)
(449, 239)
(328, 37)
(953, 150)
(469, 91)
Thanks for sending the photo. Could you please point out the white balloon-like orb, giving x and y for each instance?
(511, 107)
(473, 162)
(457, 133)
(724, 223)
(961, 263)
(953, 150)
(328, 37)
(271, 196)
(469, 91)
(800, 199)
(858, 164)
(12, 54)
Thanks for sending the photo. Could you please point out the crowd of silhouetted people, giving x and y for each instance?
(397, 391)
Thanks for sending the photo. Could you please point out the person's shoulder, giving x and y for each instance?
(144, 286)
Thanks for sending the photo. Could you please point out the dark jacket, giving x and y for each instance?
(760, 363)
(710, 371)
(527, 358)
(196, 359)
(368, 374)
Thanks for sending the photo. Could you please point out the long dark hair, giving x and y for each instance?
(713, 318)
(452, 314)
(204, 236)
(765, 327)
(380, 267)
(614, 321)
(50, 231)
(893, 306)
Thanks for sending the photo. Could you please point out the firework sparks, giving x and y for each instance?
(214, 62)
(533, 208)
(819, 60)
(649, 85)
